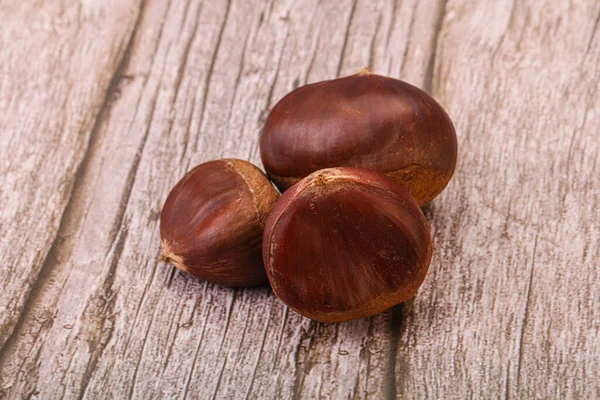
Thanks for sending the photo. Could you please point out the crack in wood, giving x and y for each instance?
(526, 313)
(210, 72)
(346, 35)
(272, 87)
(428, 80)
(370, 63)
(281, 330)
(391, 380)
(205, 311)
(184, 59)
(315, 48)
(139, 360)
(98, 311)
(411, 25)
(177, 325)
(594, 29)
(260, 352)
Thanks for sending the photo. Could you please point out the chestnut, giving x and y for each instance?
(212, 222)
(345, 243)
(363, 120)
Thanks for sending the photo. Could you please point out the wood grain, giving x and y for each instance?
(54, 76)
(512, 303)
(104, 108)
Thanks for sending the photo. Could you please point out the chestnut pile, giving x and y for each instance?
(355, 158)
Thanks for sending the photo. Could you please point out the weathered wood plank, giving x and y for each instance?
(510, 307)
(197, 84)
(57, 59)
(512, 303)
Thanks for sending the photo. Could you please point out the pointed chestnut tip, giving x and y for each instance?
(169, 257)
(320, 179)
(164, 253)
(364, 71)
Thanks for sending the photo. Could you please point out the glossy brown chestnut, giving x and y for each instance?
(345, 243)
(212, 223)
(364, 120)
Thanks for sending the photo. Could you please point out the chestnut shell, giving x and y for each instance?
(346, 243)
(363, 120)
(212, 222)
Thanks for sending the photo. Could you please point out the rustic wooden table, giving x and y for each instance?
(105, 104)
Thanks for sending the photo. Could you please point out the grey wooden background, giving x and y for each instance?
(105, 104)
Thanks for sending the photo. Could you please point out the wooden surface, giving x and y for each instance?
(105, 105)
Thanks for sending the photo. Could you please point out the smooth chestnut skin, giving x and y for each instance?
(211, 225)
(345, 243)
(364, 120)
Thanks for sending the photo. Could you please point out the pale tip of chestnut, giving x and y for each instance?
(364, 71)
(169, 257)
